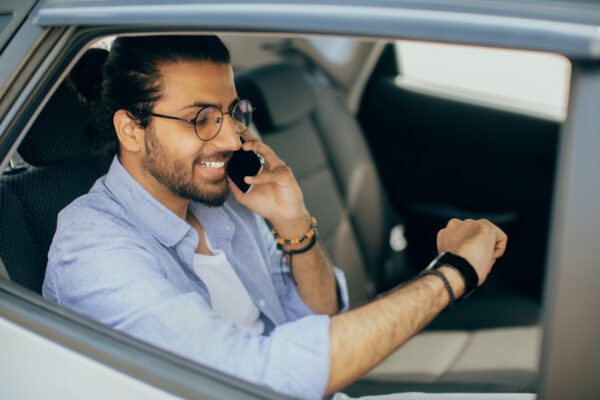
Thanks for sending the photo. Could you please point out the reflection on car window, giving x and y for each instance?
(334, 49)
(531, 81)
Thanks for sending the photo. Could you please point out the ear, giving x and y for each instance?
(130, 134)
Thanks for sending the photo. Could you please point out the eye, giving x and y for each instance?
(208, 115)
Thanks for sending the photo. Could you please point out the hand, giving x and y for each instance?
(479, 242)
(275, 194)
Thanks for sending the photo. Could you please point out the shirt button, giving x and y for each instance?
(262, 303)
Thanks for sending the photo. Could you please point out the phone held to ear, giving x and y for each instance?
(242, 164)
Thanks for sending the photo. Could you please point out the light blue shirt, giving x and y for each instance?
(120, 257)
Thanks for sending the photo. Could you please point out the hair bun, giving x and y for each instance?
(86, 75)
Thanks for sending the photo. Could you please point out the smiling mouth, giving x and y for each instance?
(212, 164)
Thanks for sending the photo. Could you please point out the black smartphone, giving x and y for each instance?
(242, 164)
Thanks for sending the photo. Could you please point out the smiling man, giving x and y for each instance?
(160, 249)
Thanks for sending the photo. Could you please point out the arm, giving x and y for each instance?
(362, 338)
(277, 197)
(313, 272)
(110, 275)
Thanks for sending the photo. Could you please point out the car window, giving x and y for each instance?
(333, 49)
(4, 20)
(524, 81)
(440, 82)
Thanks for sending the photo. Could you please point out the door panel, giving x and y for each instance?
(442, 158)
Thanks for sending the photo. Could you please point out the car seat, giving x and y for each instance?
(303, 119)
(324, 146)
(61, 167)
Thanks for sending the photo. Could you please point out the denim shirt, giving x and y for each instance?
(122, 258)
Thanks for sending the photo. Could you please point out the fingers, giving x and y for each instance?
(271, 159)
(249, 136)
(272, 175)
(274, 170)
(480, 241)
(501, 242)
(500, 238)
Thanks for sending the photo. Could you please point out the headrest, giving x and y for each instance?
(58, 134)
(280, 94)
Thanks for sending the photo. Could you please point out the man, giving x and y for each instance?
(157, 249)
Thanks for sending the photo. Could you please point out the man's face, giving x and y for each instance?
(174, 156)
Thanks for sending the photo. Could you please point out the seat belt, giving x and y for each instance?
(3, 272)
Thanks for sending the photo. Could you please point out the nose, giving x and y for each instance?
(228, 139)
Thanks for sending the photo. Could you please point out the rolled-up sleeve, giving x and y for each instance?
(111, 277)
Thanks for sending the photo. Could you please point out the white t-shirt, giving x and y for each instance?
(228, 296)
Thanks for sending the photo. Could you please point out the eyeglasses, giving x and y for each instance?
(209, 120)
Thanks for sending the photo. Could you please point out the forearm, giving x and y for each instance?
(312, 270)
(316, 283)
(362, 338)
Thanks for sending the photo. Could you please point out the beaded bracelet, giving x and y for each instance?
(444, 279)
(308, 235)
(311, 234)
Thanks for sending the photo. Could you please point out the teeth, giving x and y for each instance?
(212, 164)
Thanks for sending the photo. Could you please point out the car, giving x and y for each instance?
(384, 161)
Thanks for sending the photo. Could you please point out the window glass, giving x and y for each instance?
(527, 81)
(333, 49)
(4, 20)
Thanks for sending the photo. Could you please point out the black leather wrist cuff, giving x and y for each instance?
(466, 270)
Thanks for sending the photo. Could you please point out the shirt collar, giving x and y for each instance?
(139, 204)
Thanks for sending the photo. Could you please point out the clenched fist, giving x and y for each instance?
(480, 242)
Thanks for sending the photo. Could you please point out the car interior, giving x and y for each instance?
(382, 167)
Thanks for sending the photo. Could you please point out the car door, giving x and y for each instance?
(12, 15)
(443, 156)
(570, 358)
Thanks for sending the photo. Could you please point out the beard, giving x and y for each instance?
(179, 178)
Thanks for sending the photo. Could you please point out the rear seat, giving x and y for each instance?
(305, 122)
(325, 148)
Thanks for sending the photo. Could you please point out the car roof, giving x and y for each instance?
(570, 28)
(575, 11)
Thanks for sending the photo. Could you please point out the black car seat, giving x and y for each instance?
(303, 119)
(61, 167)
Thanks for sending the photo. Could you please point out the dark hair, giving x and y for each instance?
(128, 77)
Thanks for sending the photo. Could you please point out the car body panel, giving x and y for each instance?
(570, 356)
(377, 19)
(12, 14)
(103, 350)
(49, 364)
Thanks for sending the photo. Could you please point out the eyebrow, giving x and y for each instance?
(202, 105)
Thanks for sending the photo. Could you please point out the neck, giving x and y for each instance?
(178, 205)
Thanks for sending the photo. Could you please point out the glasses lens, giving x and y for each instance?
(208, 122)
(242, 116)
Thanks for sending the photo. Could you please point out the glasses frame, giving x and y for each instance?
(223, 114)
